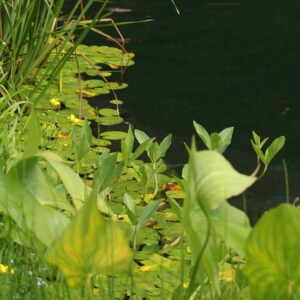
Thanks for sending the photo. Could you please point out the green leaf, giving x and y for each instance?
(127, 144)
(226, 136)
(141, 148)
(176, 208)
(107, 171)
(81, 141)
(203, 134)
(273, 261)
(210, 182)
(109, 121)
(214, 179)
(259, 152)
(215, 141)
(274, 148)
(88, 246)
(113, 135)
(28, 205)
(33, 135)
(141, 136)
(232, 226)
(147, 213)
(164, 146)
(131, 208)
(108, 112)
(74, 185)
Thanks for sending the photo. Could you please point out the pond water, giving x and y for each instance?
(221, 63)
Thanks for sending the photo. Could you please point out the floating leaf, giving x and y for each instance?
(113, 135)
(109, 121)
(108, 112)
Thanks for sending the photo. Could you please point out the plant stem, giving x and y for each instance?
(286, 181)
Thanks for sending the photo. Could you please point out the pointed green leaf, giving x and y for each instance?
(164, 146)
(81, 140)
(203, 134)
(147, 213)
(226, 136)
(131, 208)
(274, 148)
(141, 136)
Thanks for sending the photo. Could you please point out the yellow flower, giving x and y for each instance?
(145, 268)
(227, 275)
(55, 102)
(6, 269)
(185, 285)
(74, 120)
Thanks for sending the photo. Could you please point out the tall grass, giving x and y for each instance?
(30, 31)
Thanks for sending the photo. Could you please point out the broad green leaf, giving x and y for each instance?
(33, 135)
(26, 203)
(90, 245)
(211, 181)
(232, 226)
(214, 179)
(272, 253)
(203, 134)
(274, 148)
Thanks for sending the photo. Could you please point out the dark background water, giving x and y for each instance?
(221, 63)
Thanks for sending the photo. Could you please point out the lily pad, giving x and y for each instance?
(113, 135)
(109, 121)
(108, 112)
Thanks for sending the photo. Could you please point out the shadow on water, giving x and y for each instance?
(233, 63)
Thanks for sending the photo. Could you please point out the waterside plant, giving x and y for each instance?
(81, 221)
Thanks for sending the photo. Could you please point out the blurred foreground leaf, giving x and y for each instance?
(90, 245)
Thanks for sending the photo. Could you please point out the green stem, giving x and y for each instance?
(286, 181)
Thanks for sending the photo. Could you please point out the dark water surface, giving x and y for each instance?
(221, 63)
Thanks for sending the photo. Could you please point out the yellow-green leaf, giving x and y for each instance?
(89, 245)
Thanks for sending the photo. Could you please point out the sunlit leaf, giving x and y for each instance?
(89, 245)
(273, 261)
